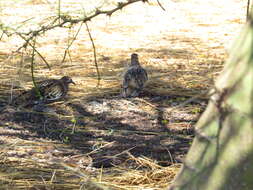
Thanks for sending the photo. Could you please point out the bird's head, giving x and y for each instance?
(134, 59)
(67, 80)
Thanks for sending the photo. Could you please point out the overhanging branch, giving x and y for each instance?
(66, 19)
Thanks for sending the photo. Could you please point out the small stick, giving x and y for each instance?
(160, 5)
(94, 52)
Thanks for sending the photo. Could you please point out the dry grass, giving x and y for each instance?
(183, 50)
(153, 176)
(37, 174)
(180, 53)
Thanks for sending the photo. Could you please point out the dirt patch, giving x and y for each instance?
(139, 125)
(99, 133)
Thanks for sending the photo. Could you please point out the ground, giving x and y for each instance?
(94, 134)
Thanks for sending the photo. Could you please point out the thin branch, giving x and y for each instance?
(63, 19)
(248, 10)
(28, 43)
(70, 57)
(160, 5)
(1, 35)
(94, 52)
(70, 44)
(37, 91)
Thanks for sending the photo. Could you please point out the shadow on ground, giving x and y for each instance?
(107, 128)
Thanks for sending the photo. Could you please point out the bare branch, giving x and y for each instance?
(28, 43)
(32, 70)
(65, 19)
(160, 5)
(94, 52)
(2, 35)
(70, 44)
(248, 9)
(61, 20)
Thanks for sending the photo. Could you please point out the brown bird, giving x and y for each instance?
(134, 79)
(47, 91)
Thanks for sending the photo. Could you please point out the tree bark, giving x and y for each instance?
(221, 156)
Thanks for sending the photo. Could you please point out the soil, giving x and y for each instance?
(111, 125)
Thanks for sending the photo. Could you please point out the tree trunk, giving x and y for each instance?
(221, 156)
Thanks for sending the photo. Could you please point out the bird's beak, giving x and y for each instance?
(73, 82)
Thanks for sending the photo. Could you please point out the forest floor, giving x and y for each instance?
(95, 135)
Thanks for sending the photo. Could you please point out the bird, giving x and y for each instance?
(45, 92)
(134, 78)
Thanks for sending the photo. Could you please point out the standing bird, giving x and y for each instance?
(47, 91)
(134, 78)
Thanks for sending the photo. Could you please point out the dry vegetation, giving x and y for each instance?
(96, 136)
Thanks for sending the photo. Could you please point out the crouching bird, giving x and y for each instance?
(134, 78)
(45, 92)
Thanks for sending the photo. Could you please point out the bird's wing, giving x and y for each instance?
(143, 76)
(45, 83)
(136, 77)
(53, 92)
(50, 90)
(127, 77)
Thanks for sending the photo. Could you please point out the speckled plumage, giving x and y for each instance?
(50, 90)
(134, 79)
